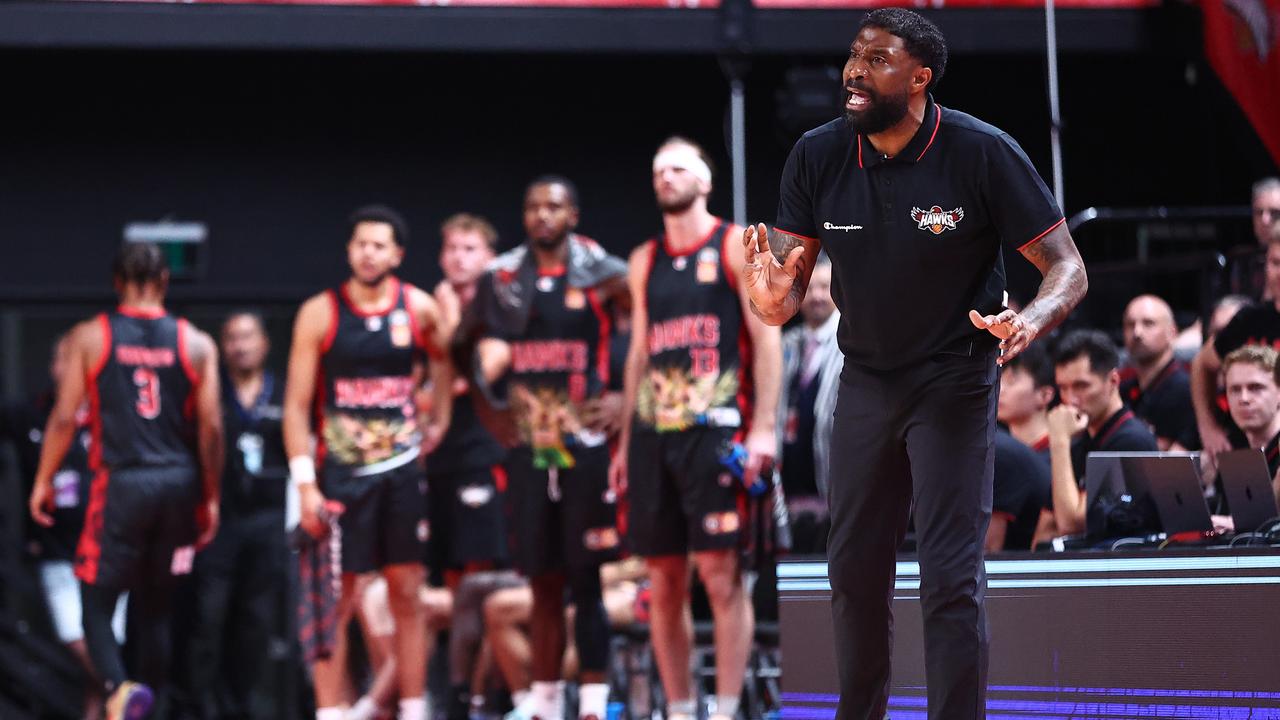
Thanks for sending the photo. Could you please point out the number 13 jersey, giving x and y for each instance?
(699, 349)
(142, 392)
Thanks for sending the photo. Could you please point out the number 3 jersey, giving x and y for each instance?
(141, 392)
(367, 417)
(699, 349)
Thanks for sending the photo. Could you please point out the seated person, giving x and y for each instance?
(1256, 324)
(1253, 398)
(1026, 391)
(1156, 384)
(508, 611)
(1021, 491)
(1092, 417)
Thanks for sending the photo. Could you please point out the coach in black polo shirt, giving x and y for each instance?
(912, 202)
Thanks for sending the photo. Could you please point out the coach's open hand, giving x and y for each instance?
(768, 281)
(1014, 330)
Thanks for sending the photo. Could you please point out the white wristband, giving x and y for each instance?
(302, 470)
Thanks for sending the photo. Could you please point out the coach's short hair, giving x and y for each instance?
(1096, 345)
(140, 263)
(921, 37)
(380, 214)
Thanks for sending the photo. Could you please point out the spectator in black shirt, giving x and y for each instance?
(1021, 490)
(1155, 383)
(1026, 391)
(1093, 413)
(1257, 325)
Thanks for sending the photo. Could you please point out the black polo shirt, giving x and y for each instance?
(1122, 431)
(1165, 404)
(914, 240)
(1254, 325)
(1021, 487)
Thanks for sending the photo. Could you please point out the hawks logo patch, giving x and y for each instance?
(936, 220)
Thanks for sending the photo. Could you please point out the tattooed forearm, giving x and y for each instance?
(1065, 281)
(781, 244)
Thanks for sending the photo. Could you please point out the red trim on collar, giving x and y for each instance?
(1113, 425)
(936, 124)
(140, 313)
(556, 271)
(858, 137)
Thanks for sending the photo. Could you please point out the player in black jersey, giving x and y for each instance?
(466, 505)
(152, 385)
(542, 316)
(465, 491)
(702, 374)
(359, 357)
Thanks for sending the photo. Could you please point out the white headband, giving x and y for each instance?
(685, 158)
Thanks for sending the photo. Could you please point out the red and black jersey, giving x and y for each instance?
(141, 392)
(560, 361)
(698, 345)
(366, 414)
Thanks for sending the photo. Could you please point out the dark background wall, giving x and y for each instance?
(271, 150)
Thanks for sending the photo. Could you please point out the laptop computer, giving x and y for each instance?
(1173, 480)
(1247, 482)
(1111, 486)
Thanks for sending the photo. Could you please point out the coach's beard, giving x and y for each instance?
(884, 112)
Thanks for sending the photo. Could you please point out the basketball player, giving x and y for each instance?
(357, 361)
(152, 385)
(698, 360)
(465, 492)
(541, 314)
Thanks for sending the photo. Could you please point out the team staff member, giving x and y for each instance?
(1255, 325)
(697, 362)
(542, 313)
(357, 362)
(1155, 383)
(151, 381)
(1020, 493)
(904, 193)
(240, 580)
(1253, 396)
(1092, 417)
(1026, 391)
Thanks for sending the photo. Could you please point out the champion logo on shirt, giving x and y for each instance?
(936, 220)
(846, 228)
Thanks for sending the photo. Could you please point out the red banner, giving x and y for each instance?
(1242, 43)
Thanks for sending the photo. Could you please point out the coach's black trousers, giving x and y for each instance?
(920, 437)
